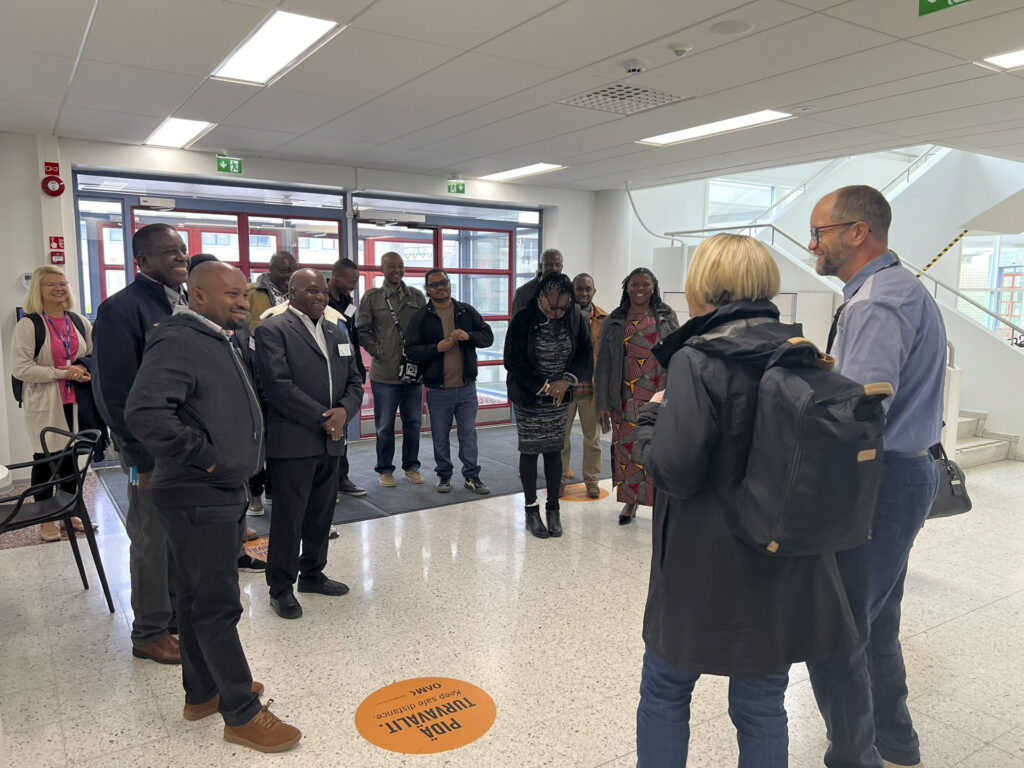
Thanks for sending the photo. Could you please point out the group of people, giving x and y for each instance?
(226, 390)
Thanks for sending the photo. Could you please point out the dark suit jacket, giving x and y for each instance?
(293, 376)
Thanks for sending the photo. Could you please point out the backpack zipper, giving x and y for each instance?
(794, 469)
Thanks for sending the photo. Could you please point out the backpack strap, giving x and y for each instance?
(879, 388)
(40, 328)
(77, 321)
(800, 351)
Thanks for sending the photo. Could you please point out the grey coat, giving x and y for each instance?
(378, 334)
(611, 355)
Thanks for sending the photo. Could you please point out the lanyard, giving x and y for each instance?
(65, 340)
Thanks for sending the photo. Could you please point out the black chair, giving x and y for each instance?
(67, 466)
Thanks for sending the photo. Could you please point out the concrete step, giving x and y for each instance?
(967, 426)
(972, 451)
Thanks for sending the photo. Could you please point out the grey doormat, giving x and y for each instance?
(499, 469)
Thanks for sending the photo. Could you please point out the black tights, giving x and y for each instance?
(552, 476)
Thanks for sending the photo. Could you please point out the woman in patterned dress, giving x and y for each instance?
(547, 352)
(626, 378)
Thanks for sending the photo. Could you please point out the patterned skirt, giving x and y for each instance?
(541, 428)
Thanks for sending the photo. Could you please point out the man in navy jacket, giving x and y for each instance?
(444, 336)
(313, 387)
(122, 324)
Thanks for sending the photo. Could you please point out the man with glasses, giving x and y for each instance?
(384, 314)
(550, 261)
(444, 336)
(888, 329)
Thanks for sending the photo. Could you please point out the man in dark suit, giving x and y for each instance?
(313, 387)
(122, 324)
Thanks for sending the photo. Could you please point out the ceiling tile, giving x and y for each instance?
(278, 109)
(581, 32)
(805, 42)
(355, 65)
(991, 36)
(40, 77)
(378, 122)
(965, 117)
(321, 148)
(455, 23)
(44, 26)
(904, 85)
(336, 10)
(215, 100)
(816, 5)
(864, 69)
(27, 116)
(229, 138)
(129, 89)
(85, 123)
(120, 34)
(902, 19)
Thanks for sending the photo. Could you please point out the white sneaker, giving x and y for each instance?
(256, 507)
(334, 532)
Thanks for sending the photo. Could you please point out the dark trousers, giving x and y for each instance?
(343, 466)
(304, 494)
(388, 398)
(862, 694)
(204, 542)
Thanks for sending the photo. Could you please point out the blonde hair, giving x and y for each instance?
(728, 268)
(34, 300)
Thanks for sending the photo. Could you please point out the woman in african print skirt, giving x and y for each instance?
(626, 378)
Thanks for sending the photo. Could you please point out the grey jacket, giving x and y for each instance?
(611, 355)
(377, 332)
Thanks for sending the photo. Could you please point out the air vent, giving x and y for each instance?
(622, 99)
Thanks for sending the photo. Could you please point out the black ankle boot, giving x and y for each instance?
(533, 522)
(554, 522)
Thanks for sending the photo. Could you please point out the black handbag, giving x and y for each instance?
(952, 497)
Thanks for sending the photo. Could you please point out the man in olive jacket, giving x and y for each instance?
(385, 341)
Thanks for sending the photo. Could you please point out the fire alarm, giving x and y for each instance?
(53, 186)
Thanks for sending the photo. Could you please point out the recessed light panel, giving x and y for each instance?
(178, 133)
(518, 173)
(1008, 61)
(282, 41)
(721, 126)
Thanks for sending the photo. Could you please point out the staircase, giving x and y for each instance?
(975, 445)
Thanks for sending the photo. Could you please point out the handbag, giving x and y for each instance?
(952, 497)
(409, 371)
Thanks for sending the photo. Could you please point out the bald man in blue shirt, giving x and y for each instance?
(888, 329)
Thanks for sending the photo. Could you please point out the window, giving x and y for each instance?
(992, 274)
(735, 203)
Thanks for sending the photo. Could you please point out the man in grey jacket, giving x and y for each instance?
(384, 314)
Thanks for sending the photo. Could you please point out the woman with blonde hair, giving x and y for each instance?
(716, 606)
(49, 375)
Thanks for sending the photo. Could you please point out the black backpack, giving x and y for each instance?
(815, 460)
(17, 385)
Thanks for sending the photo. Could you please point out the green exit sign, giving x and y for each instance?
(931, 6)
(229, 164)
(456, 187)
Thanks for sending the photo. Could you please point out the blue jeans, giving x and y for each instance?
(388, 398)
(457, 403)
(756, 706)
(862, 694)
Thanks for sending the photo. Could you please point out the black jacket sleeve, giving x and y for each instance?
(481, 335)
(517, 357)
(419, 344)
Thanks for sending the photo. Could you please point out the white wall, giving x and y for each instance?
(27, 216)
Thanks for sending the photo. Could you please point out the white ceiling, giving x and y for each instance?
(470, 88)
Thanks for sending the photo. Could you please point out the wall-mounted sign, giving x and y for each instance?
(56, 257)
(56, 243)
(229, 164)
(425, 715)
(931, 6)
(456, 187)
(51, 169)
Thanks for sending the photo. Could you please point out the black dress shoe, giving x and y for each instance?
(554, 523)
(626, 519)
(286, 606)
(533, 522)
(323, 586)
(349, 488)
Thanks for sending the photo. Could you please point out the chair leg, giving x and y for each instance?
(73, 539)
(90, 536)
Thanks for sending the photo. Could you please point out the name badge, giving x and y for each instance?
(252, 343)
(345, 350)
(349, 310)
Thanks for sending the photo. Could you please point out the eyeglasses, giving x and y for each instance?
(816, 231)
(55, 285)
(439, 283)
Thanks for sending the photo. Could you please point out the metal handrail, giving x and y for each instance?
(932, 150)
(802, 189)
(920, 272)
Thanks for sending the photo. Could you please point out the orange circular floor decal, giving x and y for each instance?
(425, 715)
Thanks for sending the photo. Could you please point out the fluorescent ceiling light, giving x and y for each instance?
(277, 45)
(712, 129)
(518, 173)
(178, 133)
(1008, 61)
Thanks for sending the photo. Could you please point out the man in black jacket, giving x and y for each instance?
(312, 385)
(444, 336)
(119, 334)
(194, 407)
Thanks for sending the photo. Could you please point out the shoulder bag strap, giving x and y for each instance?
(394, 317)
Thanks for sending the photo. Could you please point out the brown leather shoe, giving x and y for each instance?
(265, 732)
(49, 532)
(162, 651)
(199, 711)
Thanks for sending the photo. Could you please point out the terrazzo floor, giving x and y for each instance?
(550, 629)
